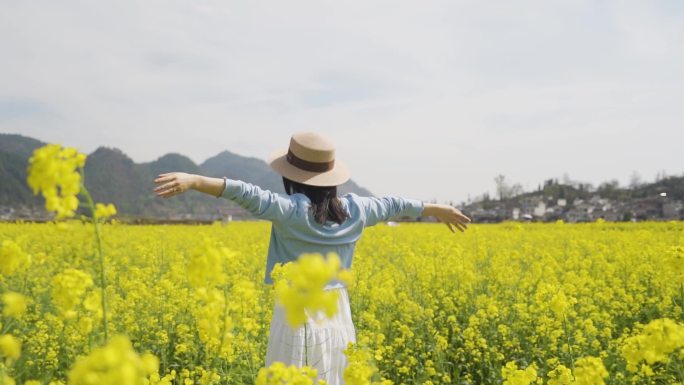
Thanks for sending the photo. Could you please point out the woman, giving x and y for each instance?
(311, 218)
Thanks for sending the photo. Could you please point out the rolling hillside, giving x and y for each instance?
(112, 176)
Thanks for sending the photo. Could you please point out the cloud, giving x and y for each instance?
(424, 99)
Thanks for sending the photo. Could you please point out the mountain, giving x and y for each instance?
(112, 176)
(15, 151)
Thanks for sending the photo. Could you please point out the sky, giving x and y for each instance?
(423, 99)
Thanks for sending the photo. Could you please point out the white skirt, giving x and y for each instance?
(325, 342)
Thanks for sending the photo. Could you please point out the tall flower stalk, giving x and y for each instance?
(58, 173)
(100, 254)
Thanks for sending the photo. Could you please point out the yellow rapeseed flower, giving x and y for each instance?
(104, 211)
(360, 366)
(560, 304)
(93, 303)
(10, 347)
(14, 304)
(299, 286)
(657, 340)
(280, 374)
(207, 264)
(68, 289)
(589, 371)
(514, 376)
(214, 326)
(560, 375)
(114, 364)
(12, 258)
(674, 260)
(52, 170)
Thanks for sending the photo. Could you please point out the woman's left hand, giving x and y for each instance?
(451, 216)
(174, 183)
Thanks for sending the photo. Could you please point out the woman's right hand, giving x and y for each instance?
(174, 183)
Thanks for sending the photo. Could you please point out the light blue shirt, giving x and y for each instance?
(294, 230)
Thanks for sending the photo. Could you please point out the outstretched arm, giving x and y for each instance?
(174, 183)
(447, 214)
(261, 203)
(381, 209)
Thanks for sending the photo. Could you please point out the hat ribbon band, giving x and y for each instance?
(309, 166)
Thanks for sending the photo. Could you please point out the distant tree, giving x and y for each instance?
(609, 189)
(566, 179)
(501, 187)
(635, 180)
(660, 175)
(516, 190)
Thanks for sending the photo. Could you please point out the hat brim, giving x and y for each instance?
(338, 175)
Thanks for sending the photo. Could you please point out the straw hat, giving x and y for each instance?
(310, 160)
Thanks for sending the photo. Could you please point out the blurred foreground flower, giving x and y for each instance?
(53, 171)
(12, 258)
(299, 286)
(114, 364)
(654, 344)
(10, 347)
(14, 304)
(279, 374)
(207, 263)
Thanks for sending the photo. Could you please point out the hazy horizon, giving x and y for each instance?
(564, 179)
(429, 100)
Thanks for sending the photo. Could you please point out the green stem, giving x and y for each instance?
(225, 314)
(62, 346)
(567, 338)
(6, 327)
(103, 282)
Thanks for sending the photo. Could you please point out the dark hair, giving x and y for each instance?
(325, 204)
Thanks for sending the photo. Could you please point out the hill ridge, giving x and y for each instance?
(113, 176)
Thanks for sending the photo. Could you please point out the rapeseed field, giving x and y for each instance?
(515, 303)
